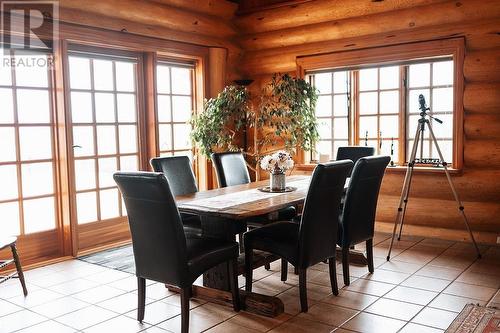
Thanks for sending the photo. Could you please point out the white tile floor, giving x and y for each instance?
(422, 289)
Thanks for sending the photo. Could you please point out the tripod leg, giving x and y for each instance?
(455, 194)
(406, 201)
(405, 191)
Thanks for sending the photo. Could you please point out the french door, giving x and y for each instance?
(103, 99)
(28, 201)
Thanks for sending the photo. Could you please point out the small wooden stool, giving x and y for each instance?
(4, 243)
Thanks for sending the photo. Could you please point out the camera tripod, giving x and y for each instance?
(403, 202)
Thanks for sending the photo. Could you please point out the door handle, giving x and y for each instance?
(77, 146)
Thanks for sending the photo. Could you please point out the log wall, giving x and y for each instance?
(272, 40)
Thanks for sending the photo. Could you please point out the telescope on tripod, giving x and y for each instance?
(423, 121)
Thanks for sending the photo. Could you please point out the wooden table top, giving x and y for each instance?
(244, 201)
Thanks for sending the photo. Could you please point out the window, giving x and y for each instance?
(381, 103)
(175, 100)
(27, 196)
(383, 88)
(332, 110)
(103, 99)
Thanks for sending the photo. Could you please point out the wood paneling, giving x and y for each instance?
(219, 8)
(410, 18)
(278, 41)
(479, 35)
(150, 13)
(306, 13)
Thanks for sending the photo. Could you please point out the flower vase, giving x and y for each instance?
(277, 182)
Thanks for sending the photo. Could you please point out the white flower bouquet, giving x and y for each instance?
(277, 163)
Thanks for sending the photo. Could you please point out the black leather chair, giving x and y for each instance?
(357, 221)
(311, 241)
(162, 251)
(354, 153)
(180, 176)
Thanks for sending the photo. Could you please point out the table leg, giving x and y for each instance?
(220, 228)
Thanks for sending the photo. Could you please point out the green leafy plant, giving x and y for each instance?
(216, 128)
(287, 109)
(285, 117)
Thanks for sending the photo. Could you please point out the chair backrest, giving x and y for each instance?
(354, 153)
(158, 237)
(319, 223)
(178, 171)
(231, 169)
(360, 205)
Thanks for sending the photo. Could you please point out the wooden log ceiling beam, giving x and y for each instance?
(82, 17)
(219, 8)
(404, 19)
(312, 12)
(155, 14)
(284, 59)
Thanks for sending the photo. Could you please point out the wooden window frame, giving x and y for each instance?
(173, 62)
(401, 54)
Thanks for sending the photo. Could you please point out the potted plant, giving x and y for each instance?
(284, 118)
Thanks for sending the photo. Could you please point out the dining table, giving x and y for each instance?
(223, 213)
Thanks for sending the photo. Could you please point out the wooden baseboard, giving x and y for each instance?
(458, 235)
(103, 247)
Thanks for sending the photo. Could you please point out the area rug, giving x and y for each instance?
(476, 319)
(119, 258)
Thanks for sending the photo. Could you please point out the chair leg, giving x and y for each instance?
(345, 265)
(284, 269)
(185, 292)
(303, 289)
(240, 239)
(233, 282)
(141, 293)
(295, 270)
(19, 268)
(333, 275)
(267, 266)
(248, 269)
(369, 255)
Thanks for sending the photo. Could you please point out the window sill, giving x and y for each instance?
(392, 169)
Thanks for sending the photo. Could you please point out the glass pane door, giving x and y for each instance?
(175, 100)
(103, 100)
(27, 178)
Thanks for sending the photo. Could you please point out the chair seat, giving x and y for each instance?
(284, 214)
(280, 238)
(205, 253)
(7, 241)
(191, 224)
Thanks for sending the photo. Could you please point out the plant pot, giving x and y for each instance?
(277, 182)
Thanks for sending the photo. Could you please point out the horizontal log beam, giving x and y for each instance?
(473, 185)
(482, 154)
(151, 13)
(441, 233)
(482, 216)
(82, 18)
(482, 66)
(317, 12)
(219, 8)
(482, 98)
(284, 59)
(482, 127)
(406, 19)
